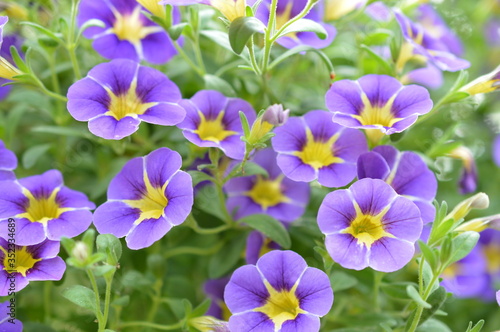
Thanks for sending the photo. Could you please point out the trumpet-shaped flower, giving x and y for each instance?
(8, 163)
(313, 147)
(370, 225)
(212, 120)
(279, 293)
(276, 195)
(146, 199)
(116, 96)
(377, 102)
(8, 41)
(43, 208)
(407, 174)
(127, 32)
(7, 69)
(7, 322)
(22, 264)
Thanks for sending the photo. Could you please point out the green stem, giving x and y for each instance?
(156, 300)
(97, 299)
(377, 280)
(153, 325)
(71, 45)
(192, 251)
(271, 26)
(107, 300)
(194, 225)
(186, 58)
(197, 53)
(253, 59)
(300, 15)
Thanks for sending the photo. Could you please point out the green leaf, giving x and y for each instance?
(477, 327)
(91, 23)
(433, 325)
(436, 300)
(31, 155)
(270, 227)
(415, 296)
(226, 258)
(300, 49)
(204, 200)
(249, 168)
(428, 253)
(305, 24)
(175, 31)
(386, 66)
(102, 270)
(241, 30)
(81, 296)
(111, 246)
(201, 309)
(462, 245)
(213, 82)
(217, 37)
(62, 131)
(45, 31)
(122, 301)
(198, 177)
(378, 37)
(341, 281)
(68, 244)
(397, 290)
(244, 123)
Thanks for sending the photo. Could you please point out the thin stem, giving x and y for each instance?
(300, 15)
(97, 299)
(153, 325)
(107, 300)
(71, 45)
(377, 280)
(197, 53)
(192, 251)
(186, 58)
(271, 26)
(156, 300)
(194, 225)
(253, 59)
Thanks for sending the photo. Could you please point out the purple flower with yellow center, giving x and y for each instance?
(212, 120)
(258, 245)
(407, 174)
(148, 197)
(429, 76)
(336, 9)
(279, 293)
(378, 103)
(116, 96)
(288, 9)
(313, 147)
(43, 208)
(8, 163)
(127, 32)
(7, 322)
(423, 45)
(370, 225)
(275, 195)
(28, 263)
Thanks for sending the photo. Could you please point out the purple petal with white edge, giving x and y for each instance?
(411, 100)
(281, 269)
(402, 125)
(8, 160)
(379, 88)
(88, 10)
(109, 128)
(303, 322)
(46, 249)
(12, 200)
(336, 212)
(161, 164)
(427, 211)
(286, 212)
(231, 116)
(87, 99)
(403, 220)
(115, 218)
(295, 169)
(344, 97)
(350, 145)
(69, 224)
(164, 114)
(336, 175)
(183, 2)
(233, 147)
(372, 165)
(195, 139)
(152, 42)
(372, 195)
(7, 175)
(43, 185)
(290, 137)
(180, 197)
(117, 75)
(498, 297)
(209, 102)
(315, 292)
(321, 125)
(147, 232)
(19, 283)
(389, 254)
(68, 198)
(246, 290)
(250, 322)
(389, 153)
(47, 269)
(297, 191)
(496, 150)
(110, 46)
(448, 61)
(347, 120)
(343, 249)
(27, 232)
(129, 182)
(156, 87)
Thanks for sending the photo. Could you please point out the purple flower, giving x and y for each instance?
(313, 147)
(407, 174)
(31, 263)
(276, 115)
(279, 293)
(43, 208)
(127, 32)
(369, 224)
(468, 179)
(116, 96)
(8, 163)
(492, 32)
(496, 150)
(8, 41)
(286, 10)
(7, 323)
(7, 70)
(421, 43)
(275, 195)
(489, 244)
(146, 199)
(214, 289)
(429, 76)
(212, 120)
(378, 102)
(257, 246)
(379, 11)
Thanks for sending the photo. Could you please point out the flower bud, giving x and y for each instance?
(468, 180)
(484, 84)
(14, 10)
(478, 201)
(80, 251)
(275, 115)
(7, 70)
(480, 224)
(209, 324)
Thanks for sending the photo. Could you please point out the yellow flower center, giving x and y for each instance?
(127, 104)
(20, 263)
(492, 253)
(267, 192)
(284, 17)
(281, 306)
(317, 153)
(367, 228)
(7, 70)
(451, 271)
(42, 209)
(153, 202)
(213, 129)
(129, 27)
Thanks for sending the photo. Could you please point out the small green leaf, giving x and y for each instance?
(175, 31)
(249, 168)
(433, 325)
(270, 227)
(62, 131)
(300, 49)
(244, 123)
(428, 254)
(102, 270)
(415, 296)
(81, 296)
(45, 31)
(201, 309)
(436, 300)
(91, 23)
(462, 245)
(477, 327)
(122, 301)
(111, 246)
(241, 30)
(198, 177)
(387, 67)
(31, 155)
(68, 244)
(397, 290)
(305, 24)
(213, 82)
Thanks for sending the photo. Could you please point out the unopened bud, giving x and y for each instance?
(480, 224)
(276, 115)
(80, 251)
(484, 84)
(478, 201)
(209, 324)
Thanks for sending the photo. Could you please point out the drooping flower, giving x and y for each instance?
(43, 208)
(407, 174)
(275, 195)
(231, 9)
(288, 9)
(469, 177)
(423, 45)
(7, 69)
(313, 147)
(8, 163)
(279, 293)
(30, 263)
(335, 9)
(214, 288)
(8, 41)
(378, 103)
(148, 197)
(258, 245)
(212, 120)
(370, 225)
(484, 84)
(496, 150)
(127, 33)
(116, 96)
(8, 322)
